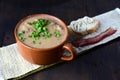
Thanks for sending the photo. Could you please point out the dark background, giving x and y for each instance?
(100, 63)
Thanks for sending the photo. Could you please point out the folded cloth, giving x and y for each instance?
(14, 66)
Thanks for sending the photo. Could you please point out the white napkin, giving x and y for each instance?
(108, 19)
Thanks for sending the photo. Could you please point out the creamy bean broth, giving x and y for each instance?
(52, 34)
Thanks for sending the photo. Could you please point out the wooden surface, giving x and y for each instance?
(100, 63)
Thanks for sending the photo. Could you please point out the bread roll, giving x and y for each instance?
(84, 25)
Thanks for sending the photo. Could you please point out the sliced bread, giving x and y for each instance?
(84, 25)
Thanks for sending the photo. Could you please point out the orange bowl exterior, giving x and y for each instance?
(41, 55)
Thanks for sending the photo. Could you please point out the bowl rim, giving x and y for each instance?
(48, 15)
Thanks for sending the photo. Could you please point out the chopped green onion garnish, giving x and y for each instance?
(40, 28)
(20, 35)
(57, 33)
(33, 42)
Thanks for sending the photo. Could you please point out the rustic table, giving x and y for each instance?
(100, 63)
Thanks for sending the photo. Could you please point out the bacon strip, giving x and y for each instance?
(84, 42)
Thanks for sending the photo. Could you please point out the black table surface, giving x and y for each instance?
(100, 63)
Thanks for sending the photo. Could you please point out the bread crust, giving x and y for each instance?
(88, 31)
(94, 27)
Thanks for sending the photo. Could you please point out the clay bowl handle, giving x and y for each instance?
(71, 50)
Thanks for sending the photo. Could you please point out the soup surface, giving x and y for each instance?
(41, 32)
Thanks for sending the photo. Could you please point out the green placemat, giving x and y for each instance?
(13, 66)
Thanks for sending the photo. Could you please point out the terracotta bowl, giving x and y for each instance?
(44, 56)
